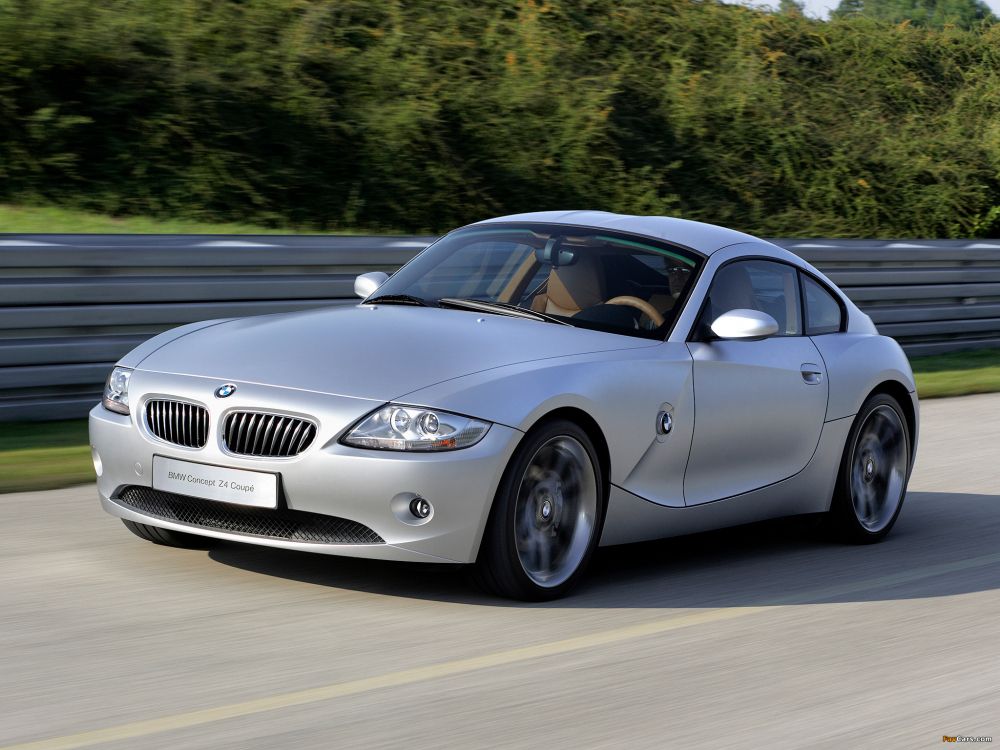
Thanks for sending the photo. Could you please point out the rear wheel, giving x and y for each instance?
(167, 537)
(546, 517)
(873, 473)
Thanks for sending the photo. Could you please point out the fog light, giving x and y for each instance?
(420, 508)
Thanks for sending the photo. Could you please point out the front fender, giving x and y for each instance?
(623, 391)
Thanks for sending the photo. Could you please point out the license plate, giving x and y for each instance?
(226, 485)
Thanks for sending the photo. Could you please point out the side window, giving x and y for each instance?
(823, 313)
(757, 285)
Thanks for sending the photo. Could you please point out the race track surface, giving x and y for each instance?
(756, 637)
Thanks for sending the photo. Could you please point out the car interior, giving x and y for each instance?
(755, 285)
(591, 281)
(601, 285)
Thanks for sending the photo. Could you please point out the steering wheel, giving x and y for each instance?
(639, 304)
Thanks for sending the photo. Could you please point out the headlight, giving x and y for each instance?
(413, 428)
(116, 390)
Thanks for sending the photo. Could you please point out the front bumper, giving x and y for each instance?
(327, 478)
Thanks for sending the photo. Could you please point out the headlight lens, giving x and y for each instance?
(116, 390)
(413, 428)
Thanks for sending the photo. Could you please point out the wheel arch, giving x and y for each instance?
(905, 398)
(590, 426)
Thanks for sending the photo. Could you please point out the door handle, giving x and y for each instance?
(811, 373)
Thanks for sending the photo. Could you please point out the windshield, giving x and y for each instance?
(588, 278)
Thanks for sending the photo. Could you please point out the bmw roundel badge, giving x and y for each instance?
(225, 391)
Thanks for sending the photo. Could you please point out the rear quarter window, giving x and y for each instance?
(823, 311)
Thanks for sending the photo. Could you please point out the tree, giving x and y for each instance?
(849, 8)
(936, 13)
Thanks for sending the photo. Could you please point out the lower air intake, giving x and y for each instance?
(288, 525)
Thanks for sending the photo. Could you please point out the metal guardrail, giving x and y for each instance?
(71, 305)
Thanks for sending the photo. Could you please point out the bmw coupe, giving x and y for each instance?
(525, 389)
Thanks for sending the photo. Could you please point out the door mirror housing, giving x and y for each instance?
(366, 284)
(744, 325)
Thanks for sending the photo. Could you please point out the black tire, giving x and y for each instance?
(846, 521)
(499, 568)
(168, 537)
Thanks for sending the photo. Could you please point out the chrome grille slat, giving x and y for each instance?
(178, 422)
(233, 429)
(285, 433)
(307, 436)
(254, 433)
(239, 445)
(251, 433)
(242, 431)
(294, 439)
(277, 431)
(261, 439)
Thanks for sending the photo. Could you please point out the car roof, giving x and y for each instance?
(705, 238)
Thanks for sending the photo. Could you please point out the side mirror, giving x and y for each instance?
(744, 325)
(367, 283)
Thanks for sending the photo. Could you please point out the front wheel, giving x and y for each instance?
(546, 517)
(874, 472)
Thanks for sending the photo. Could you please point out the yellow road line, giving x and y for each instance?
(189, 719)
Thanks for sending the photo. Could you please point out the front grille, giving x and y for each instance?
(254, 433)
(178, 422)
(289, 525)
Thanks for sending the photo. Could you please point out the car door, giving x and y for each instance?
(759, 404)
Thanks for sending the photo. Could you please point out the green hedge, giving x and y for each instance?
(422, 115)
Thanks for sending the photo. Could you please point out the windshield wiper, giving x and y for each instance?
(397, 299)
(498, 308)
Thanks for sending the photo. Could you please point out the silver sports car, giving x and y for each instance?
(525, 389)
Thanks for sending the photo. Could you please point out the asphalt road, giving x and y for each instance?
(761, 636)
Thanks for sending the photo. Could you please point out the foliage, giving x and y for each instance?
(423, 115)
(964, 13)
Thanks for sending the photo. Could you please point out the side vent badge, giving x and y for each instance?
(664, 423)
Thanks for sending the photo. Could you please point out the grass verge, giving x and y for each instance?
(47, 455)
(44, 455)
(53, 220)
(957, 374)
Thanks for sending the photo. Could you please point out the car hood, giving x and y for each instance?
(376, 352)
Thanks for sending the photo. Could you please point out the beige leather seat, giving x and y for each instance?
(573, 288)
